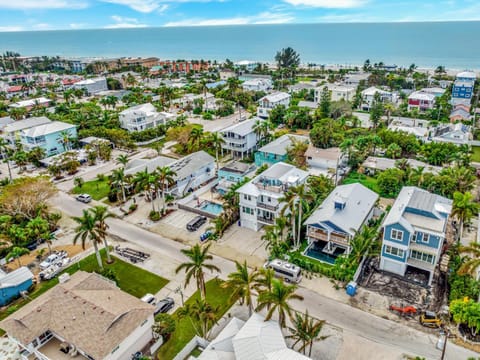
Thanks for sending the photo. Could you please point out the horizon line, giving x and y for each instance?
(166, 26)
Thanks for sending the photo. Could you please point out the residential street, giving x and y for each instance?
(389, 340)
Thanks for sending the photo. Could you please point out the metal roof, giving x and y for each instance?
(45, 129)
(15, 278)
(359, 201)
(25, 124)
(279, 146)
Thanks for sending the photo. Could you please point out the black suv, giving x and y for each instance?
(196, 223)
(164, 305)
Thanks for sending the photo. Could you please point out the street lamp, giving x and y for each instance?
(178, 290)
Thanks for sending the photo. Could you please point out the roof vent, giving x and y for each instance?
(339, 203)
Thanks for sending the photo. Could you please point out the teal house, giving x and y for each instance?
(276, 151)
(54, 137)
(231, 174)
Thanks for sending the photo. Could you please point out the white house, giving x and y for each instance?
(355, 79)
(325, 161)
(453, 133)
(255, 339)
(31, 103)
(92, 86)
(337, 92)
(86, 314)
(191, 171)
(340, 216)
(369, 94)
(240, 138)
(141, 117)
(259, 198)
(267, 103)
(259, 84)
(422, 101)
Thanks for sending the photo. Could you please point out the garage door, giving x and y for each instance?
(392, 266)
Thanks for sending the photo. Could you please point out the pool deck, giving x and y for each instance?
(325, 257)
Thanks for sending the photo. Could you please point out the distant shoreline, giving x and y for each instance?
(454, 45)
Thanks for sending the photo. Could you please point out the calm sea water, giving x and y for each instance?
(452, 44)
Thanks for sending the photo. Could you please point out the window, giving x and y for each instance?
(247, 197)
(425, 238)
(396, 235)
(428, 258)
(393, 251)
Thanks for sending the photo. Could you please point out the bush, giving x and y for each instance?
(164, 325)
(109, 274)
(132, 208)
(154, 215)
(113, 196)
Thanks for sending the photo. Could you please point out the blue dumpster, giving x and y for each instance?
(352, 288)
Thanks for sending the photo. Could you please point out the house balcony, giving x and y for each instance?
(265, 220)
(271, 188)
(317, 234)
(420, 264)
(237, 140)
(267, 206)
(419, 246)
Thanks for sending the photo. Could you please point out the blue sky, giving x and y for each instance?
(19, 15)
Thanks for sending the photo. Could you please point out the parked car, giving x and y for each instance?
(85, 198)
(164, 305)
(196, 223)
(51, 259)
(149, 299)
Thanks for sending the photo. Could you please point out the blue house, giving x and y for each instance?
(463, 87)
(50, 137)
(12, 284)
(231, 174)
(414, 232)
(276, 151)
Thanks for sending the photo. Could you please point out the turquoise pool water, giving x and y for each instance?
(211, 207)
(315, 251)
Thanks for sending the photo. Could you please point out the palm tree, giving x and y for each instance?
(118, 180)
(303, 197)
(464, 208)
(202, 316)
(195, 137)
(142, 183)
(87, 230)
(361, 244)
(166, 178)
(122, 159)
(15, 253)
(278, 299)
(216, 139)
(470, 266)
(289, 199)
(101, 214)
(4, 152)
(195, 267)
(306, 331)
(242, 282)
(65, 138)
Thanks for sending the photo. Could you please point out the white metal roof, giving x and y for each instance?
(279, 146)
(147, 108)
(359, 201)
(421, 95)
(276, 97)
(31, 102)
(15, 278)
(45, 129)
(372, 90)
(26, 123)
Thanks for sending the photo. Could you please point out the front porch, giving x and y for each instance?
(51, 350)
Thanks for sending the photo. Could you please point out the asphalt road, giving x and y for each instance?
(397, 337)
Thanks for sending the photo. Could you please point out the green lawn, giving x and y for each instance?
(131, 279)
(476, 153)
(96, 189)
(367, 181)
(216, 296)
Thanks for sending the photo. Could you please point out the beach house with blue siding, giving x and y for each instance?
(12, 284)
(50, 137)
(462, 90)
(231, 174)
(276, 151)
(414, 232)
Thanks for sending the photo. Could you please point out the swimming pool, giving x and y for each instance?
(315, 251)
(210, 207)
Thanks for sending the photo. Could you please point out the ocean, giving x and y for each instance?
(455, 45)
